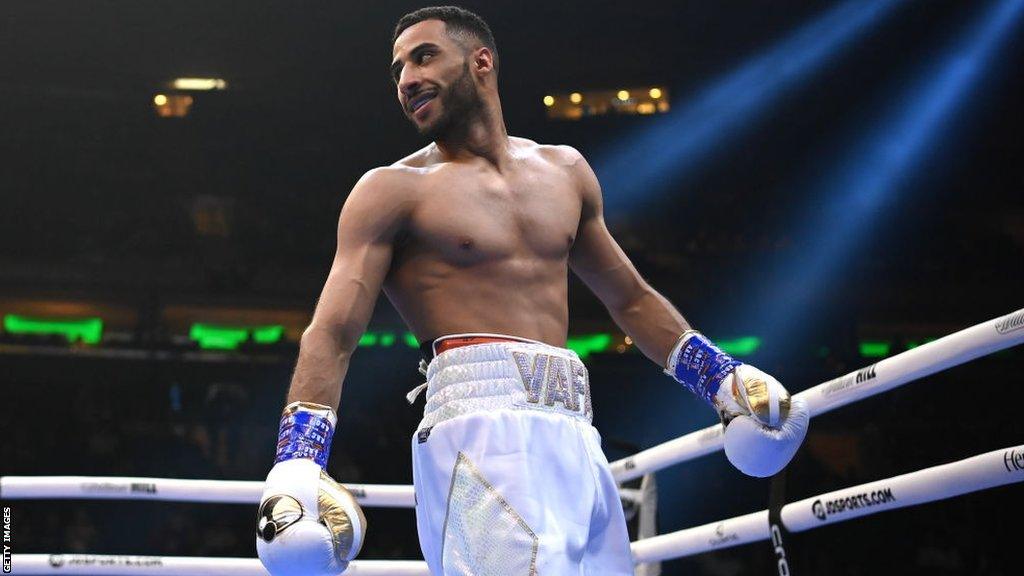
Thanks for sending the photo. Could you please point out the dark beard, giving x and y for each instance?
(461, 104)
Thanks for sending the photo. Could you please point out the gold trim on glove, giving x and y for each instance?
(758, 399)
(335, 517)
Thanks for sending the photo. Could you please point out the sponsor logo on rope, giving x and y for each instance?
(710, 435)
(722, 537)
(818, 509)
(824, 509)
(357, 493)
(629, 464)
(1010, 322)
(850, 380)
(69, 560)
(143, 487)
(780, 552)
(118, 487)
(103, 487)
(866, 374)
(1013, 460)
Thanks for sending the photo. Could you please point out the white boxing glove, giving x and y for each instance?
(307, 524)
(764, 426)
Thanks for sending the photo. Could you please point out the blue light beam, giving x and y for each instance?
(633, 170)
(860, 186)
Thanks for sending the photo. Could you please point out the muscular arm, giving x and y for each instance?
(642, 313)
(371, 218)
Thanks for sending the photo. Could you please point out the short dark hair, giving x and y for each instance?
(457, 22)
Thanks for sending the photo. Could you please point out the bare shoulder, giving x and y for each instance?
(423, 158)
(383, 198)
(556, 154)
(381, 184)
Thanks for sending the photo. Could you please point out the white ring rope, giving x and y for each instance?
(177, 490)
(188, 566)
(996, 468)
(956, 348)
(987, 470)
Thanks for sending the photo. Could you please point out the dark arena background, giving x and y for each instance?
(816, 185)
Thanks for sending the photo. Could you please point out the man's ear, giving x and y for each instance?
(483, 60)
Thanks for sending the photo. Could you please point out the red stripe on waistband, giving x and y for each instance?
(444, 344)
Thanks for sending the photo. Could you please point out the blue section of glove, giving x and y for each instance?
(701, 366)
(304, 434)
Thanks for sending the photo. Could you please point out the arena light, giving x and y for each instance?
(87, 330)
(742, 346)
(874, 348)
(200, 84)
(585, 345)
(638, 166)
(217, 337)
(173, 105)
(856, 191)
(600, 102)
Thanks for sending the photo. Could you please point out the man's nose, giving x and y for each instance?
(409, 82)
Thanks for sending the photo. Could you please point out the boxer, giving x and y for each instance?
(471, 238)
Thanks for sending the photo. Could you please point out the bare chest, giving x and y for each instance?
(467, 219)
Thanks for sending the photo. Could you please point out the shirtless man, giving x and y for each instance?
(471, 239)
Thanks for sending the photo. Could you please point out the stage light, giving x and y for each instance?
(575, 97)
(641, 165)
(742, 346)
(856, 192)
(623, 95)
(160, 100)
(585, 345)
(199, 84)
(86, 330)
(655, 93)
(217, 337)
(549, 100)
(874, 349)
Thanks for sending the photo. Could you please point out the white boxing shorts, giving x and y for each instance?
(509, 474)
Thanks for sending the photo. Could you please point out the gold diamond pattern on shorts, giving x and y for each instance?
(483, 534)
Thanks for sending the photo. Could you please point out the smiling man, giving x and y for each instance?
(472, 238)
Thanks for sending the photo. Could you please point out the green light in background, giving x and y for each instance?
(410, 340)
(911, 344)
(368, 339)
(87, 330)
(213, 337)
(585, 345)
(874, 348)
(742, 346)
(387, 339)
(267, 334)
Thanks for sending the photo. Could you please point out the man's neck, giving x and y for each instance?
(483, 137)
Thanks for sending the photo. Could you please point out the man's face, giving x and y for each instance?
(431, 71)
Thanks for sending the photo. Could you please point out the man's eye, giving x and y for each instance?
(425, 57)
